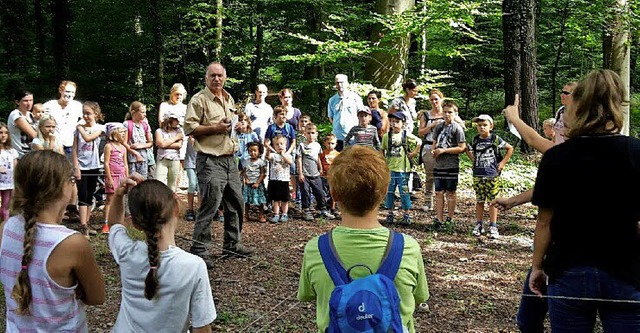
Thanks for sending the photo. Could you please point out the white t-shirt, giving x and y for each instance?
(20, 141)
(179, 110)
(261, 116)
(67, 119)
(7, 158)
(88, 152)
(183, 294)
(278, 168)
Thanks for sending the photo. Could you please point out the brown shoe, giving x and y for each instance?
(238, 251)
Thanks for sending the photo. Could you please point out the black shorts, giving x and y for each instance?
(278, 190)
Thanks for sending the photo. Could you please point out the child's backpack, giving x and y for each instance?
(368, 304)
(287, 131)
(145, 126)
(405, 145)
(494, 145)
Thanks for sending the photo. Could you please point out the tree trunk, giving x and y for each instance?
(620, 56)
(511, 46)
(158, 45)
(528, 61)
(423, 45)
(256, 64)
(41, 37)
(314, 92)
(386, 69)
(554, 70)
(61, 40)
(138, 82)
(217, 50)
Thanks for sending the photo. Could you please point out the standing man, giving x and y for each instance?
(342, 109)
(208, 120)
(67, 112)
(565, 100)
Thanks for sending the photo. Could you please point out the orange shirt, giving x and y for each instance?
(326, 158)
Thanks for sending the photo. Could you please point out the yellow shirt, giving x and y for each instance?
(206, 109)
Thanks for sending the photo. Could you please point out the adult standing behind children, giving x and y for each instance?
(379, 117)
(259, 111)
(406, 103)
(363, 134)
(565, 100)
(360, 239)
(286, 100)
(67, 112)
(342, 109)
(20, 123)
(208, 119)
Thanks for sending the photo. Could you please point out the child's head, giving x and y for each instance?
(396, 121)
(450, 110)
(484, 124)
(305, 119)
(373, 98)
(279, 115)
(91, 112)
(170, 122)
(137, 112)
(330, 142)
(43, 180)
(254, 148)
(548, 127)
(116, 132)
(279, 143)
(5, 139)
(245, 122)
(355, 171)
(177, 93)
(311, 132)
(364, 116)
(47, 125)
(37, 111)
(153, 205)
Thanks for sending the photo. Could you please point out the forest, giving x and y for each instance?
(120, 51)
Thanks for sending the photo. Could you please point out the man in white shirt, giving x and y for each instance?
(67, 113)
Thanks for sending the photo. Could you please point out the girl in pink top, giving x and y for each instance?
(116, 167)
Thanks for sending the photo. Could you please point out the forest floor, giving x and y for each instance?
(475, 282)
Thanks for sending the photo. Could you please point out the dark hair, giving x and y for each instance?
(278, 110)
(152, 204)
(409, 84)
(20, 94)
(376, 92)
(256, 144)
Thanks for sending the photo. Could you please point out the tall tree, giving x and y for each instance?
(158, 46)
(620, 57)
(61, 38)
(511, 42)
(528, 64)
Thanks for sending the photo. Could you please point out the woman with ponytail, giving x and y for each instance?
(49, 272)
(164, 288)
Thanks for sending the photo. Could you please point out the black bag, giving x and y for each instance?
(417, 182)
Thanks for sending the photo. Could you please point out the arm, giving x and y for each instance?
(24, 126)
(385, 123)
(287, 158)
(292, 147)
(470, 155)
(85, 268)
(347, 138)
(507, 156)
(541, 241)
(74, 157)
(263, 174)
(161, 113)
(529, 135)
(107, 169)
(87, 137)
(299, 164)
(221, 127)
(459, 149)
(507, 203)
(170, 143)
(116, 213)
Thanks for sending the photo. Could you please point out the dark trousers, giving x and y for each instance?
(309, 186)
(532, 310)
(87, 186)
(219, 183)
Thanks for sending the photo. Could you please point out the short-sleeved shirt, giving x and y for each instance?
(293, 116)
(20, 141)
(253, 169)
(364, 136)
(278, 168)
(183, 294)
(138, 135)
(180, 110)
(486, 160)
(168, 153)
(326, 158)
(344, 112)
(89, 152)
(205, 108)
(409, 110)
(376, 118)
(559, 126)
(363, 246)
(285, 130)
(395, 153)
(243, 139)
(7, 159)
(261, 116)
(448, 136)
(309, 153)
(66, 119)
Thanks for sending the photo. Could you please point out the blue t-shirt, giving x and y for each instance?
(486, 159)
(286, 130)
(243, 139)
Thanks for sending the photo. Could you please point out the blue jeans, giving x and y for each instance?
(401, 181)
(532, 310)
(569, 315)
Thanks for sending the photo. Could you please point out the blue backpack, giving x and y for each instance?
(368, 304)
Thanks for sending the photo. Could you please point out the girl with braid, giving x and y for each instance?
(49, 272)
(164, 288)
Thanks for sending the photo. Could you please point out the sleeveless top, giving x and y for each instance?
(53, 308)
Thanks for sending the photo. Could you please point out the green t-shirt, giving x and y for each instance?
(363, 246)
(397, 156)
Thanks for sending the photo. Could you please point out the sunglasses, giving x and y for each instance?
(564, 92)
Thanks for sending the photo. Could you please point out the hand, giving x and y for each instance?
(511, 111)
(224, 126)
(437, 152)
(537, 281)
(76, 173)
(502, 204)
(138, 157)
(108, 182)
(412, 154)
(133, 146)
(255, 185)
(301, 177)
(3, 169)
(128, 183)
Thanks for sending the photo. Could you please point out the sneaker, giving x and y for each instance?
(326, 214)
(275, 219)
(437, 224)
(91, 231)
(284, 218)
(448, 221)
(336, 212)
(493, 232)
(390, 219)
(477, 230)
(307, 215)
(105, 228)
(426, 208)
(406, 220)
(238, 251)
(190, 216)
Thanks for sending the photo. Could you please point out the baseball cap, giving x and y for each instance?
(365, 110)
(398, 115)
(113, 126)
(483, 117)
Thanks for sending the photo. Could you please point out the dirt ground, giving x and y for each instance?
(475, 283)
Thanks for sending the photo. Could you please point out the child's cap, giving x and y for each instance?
(483, 117)
(171, 115)
(364, 109)
(398, 115)
(113, 126)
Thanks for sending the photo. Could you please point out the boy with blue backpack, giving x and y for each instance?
(354, 259)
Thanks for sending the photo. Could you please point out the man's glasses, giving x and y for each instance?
(564, 92)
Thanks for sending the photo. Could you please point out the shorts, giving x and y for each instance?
(486, 188)
(278, 190)
(446, 179)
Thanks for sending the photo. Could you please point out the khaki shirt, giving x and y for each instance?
(206, 109)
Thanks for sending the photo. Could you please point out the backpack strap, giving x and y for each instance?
(331, 261)
(392, 255)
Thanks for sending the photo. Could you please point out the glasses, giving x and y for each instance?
(564, 92)
(72, 179)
